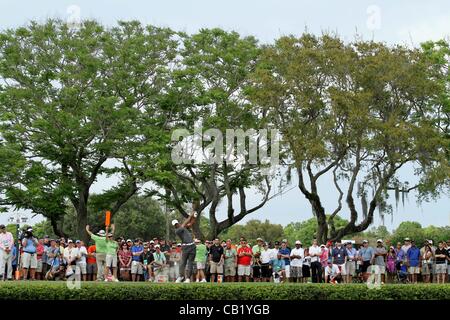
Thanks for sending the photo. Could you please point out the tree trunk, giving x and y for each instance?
(197, 231)
(322, 226)
(82, 214)
(56, 229)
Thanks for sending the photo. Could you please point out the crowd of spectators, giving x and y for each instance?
(107, 258)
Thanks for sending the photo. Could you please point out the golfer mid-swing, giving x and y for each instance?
(188, 247)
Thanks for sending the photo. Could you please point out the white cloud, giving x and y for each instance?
(425, 30)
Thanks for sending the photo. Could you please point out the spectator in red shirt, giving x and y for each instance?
(39, 252)
(91, 263)
(244, 259)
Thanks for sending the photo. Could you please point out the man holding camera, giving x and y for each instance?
(29, 256)
(6, 246)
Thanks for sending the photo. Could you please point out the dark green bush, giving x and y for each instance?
(149, 291)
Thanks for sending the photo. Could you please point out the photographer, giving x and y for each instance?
(29, 256)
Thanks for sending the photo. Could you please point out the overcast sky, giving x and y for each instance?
(407, 22)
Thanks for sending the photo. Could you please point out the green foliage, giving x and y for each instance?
(357, 111)
(225, 291)
(306, 231)
(414, 231)
(140, 218)
(254, 229)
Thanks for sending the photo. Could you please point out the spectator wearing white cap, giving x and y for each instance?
(111, 256)
(296, 257)
(71, 255)
(380, 260)
(174, 260)
(81, 266)
(366, 255)
(159, 263)
(29, 256)
(100, 251)
(266, 271)
(316, 267)
(257, 249)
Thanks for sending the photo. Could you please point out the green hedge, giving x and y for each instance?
(149, 291)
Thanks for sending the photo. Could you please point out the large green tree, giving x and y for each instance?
(211, 88)
(254, 229)
(71, 101)
(438, 55)
(357, 113)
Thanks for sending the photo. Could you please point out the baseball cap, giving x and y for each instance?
(178, 244)
(129, 240)
(365, 241)
(2, 226)
(284, 240)
(259, 239)
(197, 241)
(151, 241)
(298, 242)
(78, 241)
(69, 241)
(380, 240)
(157, 246)
(101, 233)
(407, 239)
(174, 222)
(322, 245)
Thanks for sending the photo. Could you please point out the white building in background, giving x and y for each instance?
(20, 217)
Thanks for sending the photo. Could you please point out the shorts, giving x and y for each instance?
(365, 265)
(39, 266)
(342, 269)
(378, 269)
(295, 272)
(350, 268)
(230, 270)
(111, 261)
(81, 268)
(29, 260)
(426, 269)
(287, 271)
(243, 270)
(215, 268)
(441, 268)
(256, 271)
(91, 268)
(265, 270)
(200, 265)
(136, 267)
(413, 270)
(306, 271)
